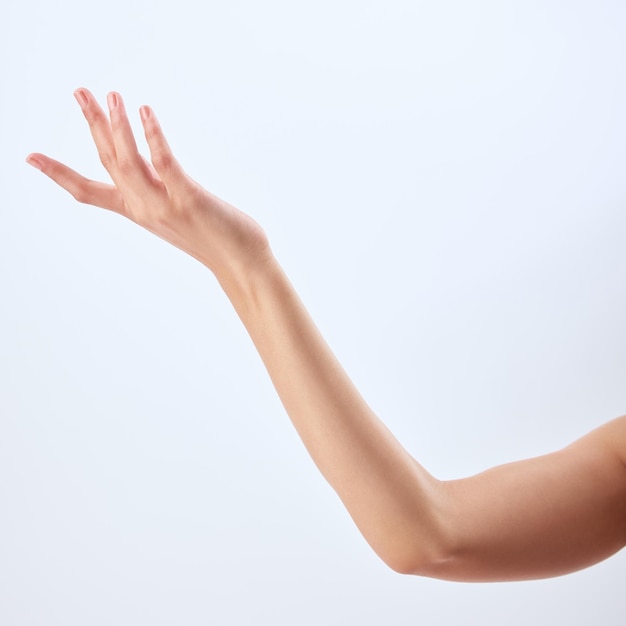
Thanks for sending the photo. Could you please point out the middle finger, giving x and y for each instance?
(130, 165)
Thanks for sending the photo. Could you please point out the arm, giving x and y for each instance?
(535, 518)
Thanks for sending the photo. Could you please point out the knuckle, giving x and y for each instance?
(126, 165)
(81, 194)
(162, 161)
(106, 159)
(95, 118)
(90, 116)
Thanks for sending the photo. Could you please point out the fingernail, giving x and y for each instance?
(81, 98)
(144, 112)
(113, 100)
(31, 160)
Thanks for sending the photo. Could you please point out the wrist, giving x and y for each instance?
(243, 279)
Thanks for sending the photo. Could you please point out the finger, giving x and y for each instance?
(153, 173)
(166, 166)
(83, 189)
(100, 128)
(130, 165)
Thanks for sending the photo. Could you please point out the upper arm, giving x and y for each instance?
(540, 517)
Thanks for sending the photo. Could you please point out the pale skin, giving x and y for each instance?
(535, 518)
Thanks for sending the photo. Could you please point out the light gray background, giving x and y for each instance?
(443, 182)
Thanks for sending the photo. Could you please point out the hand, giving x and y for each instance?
(159, 196)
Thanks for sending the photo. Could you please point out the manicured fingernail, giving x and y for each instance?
(31, 160)
(144, 112)
(113, 100)
(81, 98)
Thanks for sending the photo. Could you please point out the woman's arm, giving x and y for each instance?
(535, 518)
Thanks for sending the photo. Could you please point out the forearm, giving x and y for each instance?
(535, 518)
(391, 498)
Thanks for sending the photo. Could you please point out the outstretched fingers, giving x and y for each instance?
(139, 187)
(115, 143)
(83, 189)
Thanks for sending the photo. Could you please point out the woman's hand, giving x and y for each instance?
(159, 196)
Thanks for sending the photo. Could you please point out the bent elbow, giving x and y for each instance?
(429, 559)
(406, 566)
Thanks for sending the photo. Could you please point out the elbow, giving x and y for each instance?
(429, 546)
(424, 562)
(431, 557)
(405, 565)
(421, 537)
